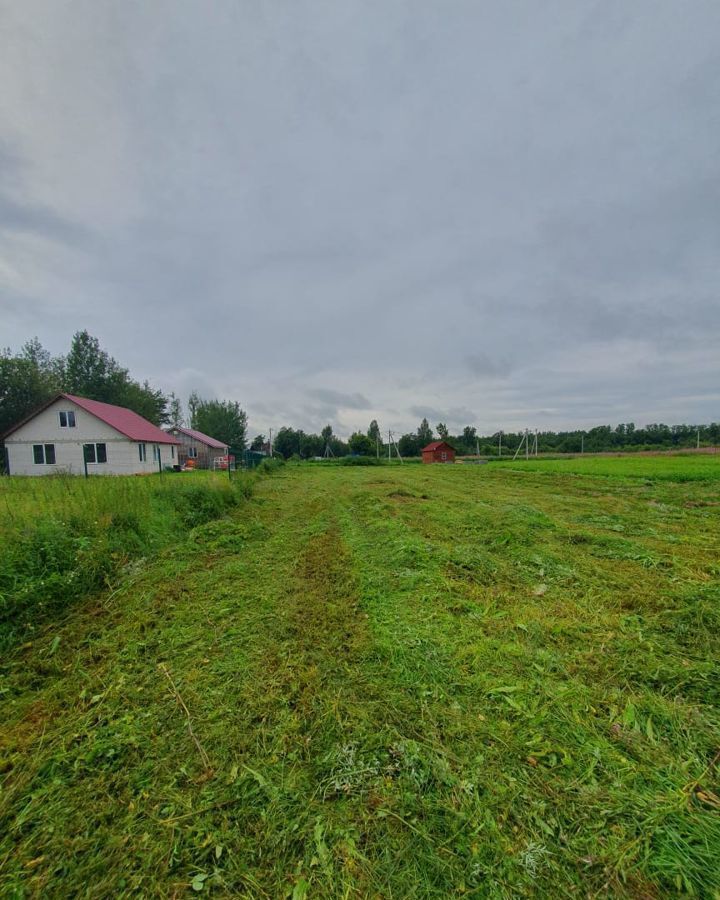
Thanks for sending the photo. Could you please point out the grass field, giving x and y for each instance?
(479, 681)
(63, 538)
(689, 467)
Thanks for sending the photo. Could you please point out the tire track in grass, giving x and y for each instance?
(337, 737)
(323, 633)
(303, 699)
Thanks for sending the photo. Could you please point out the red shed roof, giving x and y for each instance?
(121, 419)
(437, 445)
(199, 436)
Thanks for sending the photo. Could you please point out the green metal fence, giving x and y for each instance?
(247, 459)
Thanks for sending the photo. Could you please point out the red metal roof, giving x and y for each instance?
(437, 445)
(199, 436)
(123, 420)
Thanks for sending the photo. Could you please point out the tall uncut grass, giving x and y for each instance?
(65, 537)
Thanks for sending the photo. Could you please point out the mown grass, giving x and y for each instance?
(401, 682)
(676, 467)
(65, 537)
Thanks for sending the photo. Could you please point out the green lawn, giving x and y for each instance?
(408, 681)
(670, 467)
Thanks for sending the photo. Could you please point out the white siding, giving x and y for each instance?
(123, 457)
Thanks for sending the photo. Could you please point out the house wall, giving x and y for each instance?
(435, 456)
(205, 454)
(123, 457)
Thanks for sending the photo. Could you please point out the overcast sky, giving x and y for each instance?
(504, 214)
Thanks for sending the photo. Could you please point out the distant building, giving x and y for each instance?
(198, 450)
(68, 433)
(438, 452)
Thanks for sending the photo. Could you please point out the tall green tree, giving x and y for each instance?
(222, 419)
(193, 404)
(27, 380)
(442, 430)
(373, 432)
(425, 433)
(362, 444)
(285, 442)
(410, 445)
(175, 410)
(312, 445)
(89, 371)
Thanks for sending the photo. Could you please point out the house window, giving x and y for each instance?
(67, 418)
(192, 452)
(44, 454)
(443, 455)
(95, 453)
(156, 453)
(172, 450)
(142, 452)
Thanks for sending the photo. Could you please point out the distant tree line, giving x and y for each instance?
(290, 442)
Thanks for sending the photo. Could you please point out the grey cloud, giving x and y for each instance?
(340, 400)
(32, 218)
(482, 364)
(431, 413)
(452, 416)
(478, 213)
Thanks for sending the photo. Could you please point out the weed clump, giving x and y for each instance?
(66, 538)
(269, 465)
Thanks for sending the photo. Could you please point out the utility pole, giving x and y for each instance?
(527, 445)
(270, 442)
(499, 443)
(477, 446)
(582, 442)
(391, 442)
(377, 444)
(698, 438)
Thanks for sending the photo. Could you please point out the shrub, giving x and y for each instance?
(271, 464)
(199, 502)
(65, 538)
(361, 461)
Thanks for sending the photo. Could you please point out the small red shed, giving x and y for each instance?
(438, 452)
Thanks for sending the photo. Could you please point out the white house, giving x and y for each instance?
(67, 433)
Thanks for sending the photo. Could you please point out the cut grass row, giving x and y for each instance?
(430, 682)
(677, 467)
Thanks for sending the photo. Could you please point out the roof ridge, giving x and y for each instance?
(121, 419)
